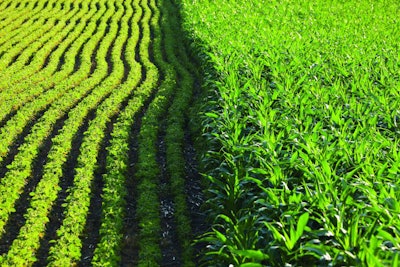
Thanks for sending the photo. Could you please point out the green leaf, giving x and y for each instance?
(302, 224)
(211, 115)
(327, 169)
(294, 157)
(396, 261)
(317, 252)
(386, 236)
(275, 232)
(251, 254)
(226, 218)
(220, 236)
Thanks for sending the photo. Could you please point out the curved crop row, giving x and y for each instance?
(16, 18)
(81, 78)
(148, 169)
(14, 180)
(175, 131)
(108, 249)
(11, 14)
(67, 248)
(45, 80)
(7, 4)
(40, 60)
(15, 125)
(38, 50)
(47, 189)
(35, 27)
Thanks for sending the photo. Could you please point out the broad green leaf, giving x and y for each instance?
(220, 236)
(386, 236)
(211, 115)
(303, 220)
(396, 260)
(326, 168)
(252, 254)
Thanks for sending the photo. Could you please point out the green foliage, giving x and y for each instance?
(301, 124)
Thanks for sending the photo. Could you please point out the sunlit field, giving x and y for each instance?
(302, 122)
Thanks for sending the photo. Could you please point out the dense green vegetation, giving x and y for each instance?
(296, 107)
(301, 120)
(88, 92)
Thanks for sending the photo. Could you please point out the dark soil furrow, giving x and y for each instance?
(10, 28)
(170, 248)
(17, 219)
(93, 56)
(137, 53)
(155, 60)
(129, 253)
(127, 67)
(13, 149)
(169, 239)
(194, 191)
(49, 55)
(16, 56)
(130, 246)
(91, 231)
(57, 212)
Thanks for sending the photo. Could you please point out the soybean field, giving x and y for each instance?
(96, 163)
(199, 133)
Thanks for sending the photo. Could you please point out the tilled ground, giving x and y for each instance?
(97, 165)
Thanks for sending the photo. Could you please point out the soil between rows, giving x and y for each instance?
(170, 242)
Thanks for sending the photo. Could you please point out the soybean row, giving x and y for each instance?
(93, 134)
